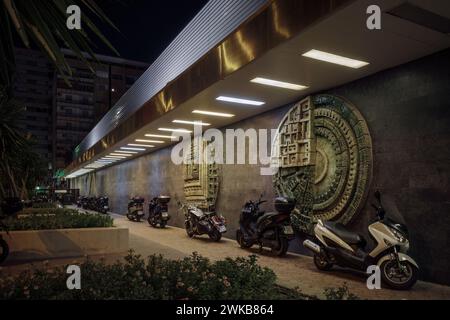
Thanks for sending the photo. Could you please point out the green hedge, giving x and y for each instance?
(50, 219)
(43, 205)
(193, 278)
(44, 211)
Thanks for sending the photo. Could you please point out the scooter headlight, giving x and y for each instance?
(399, 236)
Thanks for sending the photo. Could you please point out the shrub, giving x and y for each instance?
(51, 219)
(44, 211)
(194, 277)
(43, 205)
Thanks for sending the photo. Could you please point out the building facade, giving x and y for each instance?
(58, 114)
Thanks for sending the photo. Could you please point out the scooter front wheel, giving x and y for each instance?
(4, 250)
(189, 229)
(399, 277)
(241, 240)
(130, 217)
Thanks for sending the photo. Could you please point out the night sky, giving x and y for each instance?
(146, 27)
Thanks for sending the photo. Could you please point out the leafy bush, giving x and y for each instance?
(43, 205)
(341, 293)
(50, 219)
(44, 211)
(194, 277)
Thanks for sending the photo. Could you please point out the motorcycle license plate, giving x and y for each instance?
(222, 229)
(288, 230)
(165, 215)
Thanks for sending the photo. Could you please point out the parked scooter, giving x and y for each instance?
(198, 222)
(337, 245)
(158, 212)
(102, 205)
(271, 229)
(135, 209)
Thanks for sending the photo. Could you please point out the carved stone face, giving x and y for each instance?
(324, 152)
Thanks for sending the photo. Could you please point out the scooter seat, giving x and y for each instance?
(342, 232)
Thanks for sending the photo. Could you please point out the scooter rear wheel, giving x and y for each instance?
(4, 250)
(322, 263)
(283, 246)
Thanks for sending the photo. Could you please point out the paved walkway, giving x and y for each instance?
(292, 271)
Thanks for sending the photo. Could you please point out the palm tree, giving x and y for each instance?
(43, 23)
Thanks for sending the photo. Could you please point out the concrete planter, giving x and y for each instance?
(65, 243)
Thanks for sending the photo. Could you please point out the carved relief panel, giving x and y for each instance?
(201, 176)
(331, 172)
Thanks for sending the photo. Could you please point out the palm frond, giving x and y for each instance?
(44, 24)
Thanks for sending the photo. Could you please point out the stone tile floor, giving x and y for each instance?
(292, 271)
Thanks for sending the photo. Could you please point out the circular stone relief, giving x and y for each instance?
(324, 153)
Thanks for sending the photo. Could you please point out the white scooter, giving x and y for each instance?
(337, 245)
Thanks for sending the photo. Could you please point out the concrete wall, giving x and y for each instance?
(408, 112)
(66, 243)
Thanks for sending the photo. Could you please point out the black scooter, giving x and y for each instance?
(272, 229)
(102, 205)
(158, 212)
(198, 222)
(135, 209)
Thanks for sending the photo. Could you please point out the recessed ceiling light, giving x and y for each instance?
(240, 101)
(141, 145)
(175, 130)
(197, 123)
(279, 84)
(132, 149)
(109, 159)
(118, 153)
(333, 58)
(149, 141)
(122, 151)
(115, 157)
(214, 114)
(160, 136)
